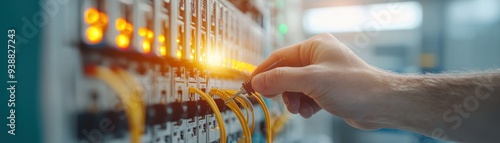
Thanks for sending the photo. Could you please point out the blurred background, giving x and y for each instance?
(420, 36)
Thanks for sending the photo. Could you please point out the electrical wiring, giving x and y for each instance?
(132, 108)
(266, 115)
(246, 104)
(136, 104)
(215, 109)
(235, 108)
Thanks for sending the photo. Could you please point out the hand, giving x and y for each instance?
(322, 73)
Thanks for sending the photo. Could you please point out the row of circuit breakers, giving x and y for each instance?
(161, 71)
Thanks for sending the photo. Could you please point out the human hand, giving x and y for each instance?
(322, 73)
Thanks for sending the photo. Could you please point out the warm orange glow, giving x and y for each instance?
(143, 31)
(146, 46)
(94, 34)
(193, 53)
(120, 24)
(129, 27)
(163, 50)
(179, 54)
(103, 19)
(161, 38)
(224, 61)
(149, 34)
(91, 15)
(122, 41)
(214, 59)
(178, 40)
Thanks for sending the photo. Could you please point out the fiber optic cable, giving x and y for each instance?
(266, 115)
(132, 109)
(136, 104)
(215, 109)
(246, 104)
(235, 108)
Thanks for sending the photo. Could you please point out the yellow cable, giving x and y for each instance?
(235, 108)
(246, 106)
(217, 113)
(266, 115)
(136, 105)
(124, 95)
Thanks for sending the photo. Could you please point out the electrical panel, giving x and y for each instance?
(161, 71)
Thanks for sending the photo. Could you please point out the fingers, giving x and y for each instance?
(292, 101)
(300, 103)
(298, 55)
(306, 109)
(308, 106)
(279, 80)
(293, 56)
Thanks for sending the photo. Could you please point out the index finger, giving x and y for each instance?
(291, 56)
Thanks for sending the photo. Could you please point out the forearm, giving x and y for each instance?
(456, 107)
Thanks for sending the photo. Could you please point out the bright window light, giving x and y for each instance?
(381, 17)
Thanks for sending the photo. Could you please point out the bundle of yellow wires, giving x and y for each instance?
(247, 105)
(269, 130)
(129, 96)
(215, 109)
(266, 115)
(235, 108)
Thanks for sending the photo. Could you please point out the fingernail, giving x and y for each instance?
(305, 113)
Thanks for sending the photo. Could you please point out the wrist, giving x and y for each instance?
(405, 105)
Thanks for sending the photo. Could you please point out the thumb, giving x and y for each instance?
(278, 80)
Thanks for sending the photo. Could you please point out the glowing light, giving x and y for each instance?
(214, 59)
(232, 64)
(94, 34)
(193, 53)
(103, 19)
(122, 41)
(163, 50)
(283, 28)
(143, 31)
(91, 15)
(373, 17)
(149, 34)
(179, 54)
(224, 61)
(120, 24)
(129, 27)
(161, 38)
(146, 46)
(178, 40)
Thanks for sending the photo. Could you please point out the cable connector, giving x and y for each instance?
(247, 86)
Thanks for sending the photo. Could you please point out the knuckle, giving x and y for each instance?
(276, 76)
(323, 35)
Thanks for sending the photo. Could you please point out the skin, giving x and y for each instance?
(322, 73)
